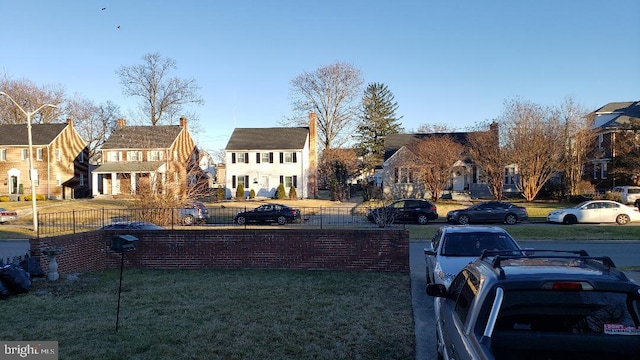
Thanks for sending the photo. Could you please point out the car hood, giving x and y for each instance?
(454, 264)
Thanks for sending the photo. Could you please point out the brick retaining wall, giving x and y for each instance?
(361, 250)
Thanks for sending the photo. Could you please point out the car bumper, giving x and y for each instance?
(554, 218)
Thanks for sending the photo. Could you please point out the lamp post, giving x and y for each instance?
(31, 169)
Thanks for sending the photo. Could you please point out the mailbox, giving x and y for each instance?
(122, 243)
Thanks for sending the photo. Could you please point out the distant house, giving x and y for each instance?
(609, 121)
(147, 157)
(261, 159)
(60, 161)
(465, 177)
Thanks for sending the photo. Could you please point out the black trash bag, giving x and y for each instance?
(32, 266)
(15, 279)
(4, 292)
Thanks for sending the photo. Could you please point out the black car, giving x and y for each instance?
(489, 212)
(539, 304)
(408, 210)
(132, 225)
(268, 213)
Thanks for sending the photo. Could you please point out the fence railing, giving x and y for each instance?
(76, 221)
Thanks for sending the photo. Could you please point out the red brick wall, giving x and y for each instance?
(362, 250)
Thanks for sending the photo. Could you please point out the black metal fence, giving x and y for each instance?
(76, 221)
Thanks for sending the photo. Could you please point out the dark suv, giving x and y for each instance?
(408, 210)
(540, 305)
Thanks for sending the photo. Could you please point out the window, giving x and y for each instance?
(155, 155)
(175, 155)
(25, 154)
(58, 155)
(3, 154)
(509, 175)
(39, 154)
(115, 156)
(81, 157)
(266, 157)
(288, 157)
(289, 181)
(603, 171)
(600, 141)
(467, 294)
(403, 175)
(134, 155)
(81, 179)
(239, 180)
(240, 157)
(36, 180)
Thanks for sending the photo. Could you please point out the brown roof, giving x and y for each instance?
(278, 138)
(393, 142)
(17, 134)
(142, 166)
(143, 137)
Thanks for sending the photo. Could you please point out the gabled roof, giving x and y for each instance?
(42, 134)
(617, 114)
(143, 137)
(276, 138)
(393, 142)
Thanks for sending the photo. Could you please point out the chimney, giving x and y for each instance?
(120, 123)
(313, 156)
(70, 122)
(183, 122)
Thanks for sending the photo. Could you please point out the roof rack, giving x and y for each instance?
(500, 255)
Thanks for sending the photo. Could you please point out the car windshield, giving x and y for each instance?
(580, 205)
(472, 244)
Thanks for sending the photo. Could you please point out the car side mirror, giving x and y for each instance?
(429, 252)
(436, 290)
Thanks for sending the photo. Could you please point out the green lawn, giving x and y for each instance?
(218, 314)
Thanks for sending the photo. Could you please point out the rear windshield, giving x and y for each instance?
(576, 312)
(472, 244)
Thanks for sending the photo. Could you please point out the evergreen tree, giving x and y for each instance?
(280, 192)
(240, 192)
(377, 120)
(293, 194)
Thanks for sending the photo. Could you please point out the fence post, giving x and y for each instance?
(73, 214)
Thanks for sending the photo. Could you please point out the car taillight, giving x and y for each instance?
(432, 208)
(567, 285)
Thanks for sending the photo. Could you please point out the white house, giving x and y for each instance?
(261, 159)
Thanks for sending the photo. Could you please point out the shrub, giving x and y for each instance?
(4, 198)
(221, 193)
(280, 192)
(240, 192)
(293, 195)
(252, 194)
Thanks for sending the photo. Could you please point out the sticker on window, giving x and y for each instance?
(619, 329)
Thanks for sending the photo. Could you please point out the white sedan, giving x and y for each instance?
(595, 211)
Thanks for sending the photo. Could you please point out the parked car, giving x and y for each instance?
(268, 213)
(542, 305)
(132, 225)
(628, 194)
(489, 212)
(453, 247)
(7, 215)
(193, 213)
(595, 211)
(408, 210)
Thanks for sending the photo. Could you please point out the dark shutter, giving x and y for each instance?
(246, 158)
(246, 181)
(258, 158)
(282, 179)
(281, 158)
(233, 158)
(271, 157)
(295, 157)
(395, 175)
(295, 181)
(233, 181)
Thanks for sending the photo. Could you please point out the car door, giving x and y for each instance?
(589, 213)
(399, 210)
(455, 332)
(483, 213)
(609, 211)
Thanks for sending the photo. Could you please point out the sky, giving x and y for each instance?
(446, 62)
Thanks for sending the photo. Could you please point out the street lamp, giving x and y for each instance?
(31, 169)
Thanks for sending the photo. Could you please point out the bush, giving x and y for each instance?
(293, 194)
(240, 192)
(280, 192)
(221, 193)
(252, 194)
(4, 198)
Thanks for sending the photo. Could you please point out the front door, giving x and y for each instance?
(13, 185)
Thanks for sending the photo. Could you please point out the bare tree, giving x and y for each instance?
(436, 128)
(29, 96)
(333, 93)
(163, 96)
(435, 157)
(535, 143)
(578, 142)
(485, 151)
(336, 168)
(625, 164)
(94, 123)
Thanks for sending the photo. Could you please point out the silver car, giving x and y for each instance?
(453, 247)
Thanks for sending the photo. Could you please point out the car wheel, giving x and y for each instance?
(423, 219)
(570, 220)
(623, 219)
(187, 220)
(282, 220)
(511, 219)
(241, 220)
(463, 219)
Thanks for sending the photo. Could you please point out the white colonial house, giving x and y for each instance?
(260, 159)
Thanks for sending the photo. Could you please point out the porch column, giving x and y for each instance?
(94, 184)
(115, 184)
(133, 183)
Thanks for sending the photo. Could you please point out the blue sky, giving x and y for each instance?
(452, 62)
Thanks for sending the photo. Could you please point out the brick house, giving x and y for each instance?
(135, 157)
(60, 161)
(262, 158)
(609, 121)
